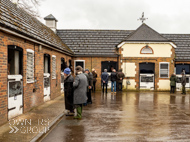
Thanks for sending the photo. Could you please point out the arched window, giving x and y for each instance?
(146, 50)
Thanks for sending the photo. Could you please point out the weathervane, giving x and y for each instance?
(142, 18)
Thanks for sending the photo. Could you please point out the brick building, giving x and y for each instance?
(31, 59)
(147, 57)
(32, 56)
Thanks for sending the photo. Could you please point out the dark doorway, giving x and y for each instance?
(109, 65)
(181, 67)
(146, 68)
(79, 63)
(63, 64)
(46, 63)
(146, 75)
(15, 60)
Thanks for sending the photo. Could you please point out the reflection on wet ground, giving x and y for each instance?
(128, 116)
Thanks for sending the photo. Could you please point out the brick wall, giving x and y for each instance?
(31, 98)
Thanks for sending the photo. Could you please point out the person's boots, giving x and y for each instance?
(79, 113)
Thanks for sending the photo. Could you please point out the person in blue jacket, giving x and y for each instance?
(104, 78)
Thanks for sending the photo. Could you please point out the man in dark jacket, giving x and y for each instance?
(120, 77)
(183, 83)
(94, 79)
(90, 81)
(113, 81)
(68, 91)
(104, 79)
(80, 85)
(173, 80)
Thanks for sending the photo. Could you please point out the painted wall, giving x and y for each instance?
(131, 57)
(133, 50)
(129, 69)
(130, 86)
(164, 85)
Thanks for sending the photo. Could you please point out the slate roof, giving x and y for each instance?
(93, 42)
(145, 33)
(183, 45)
(18, 20)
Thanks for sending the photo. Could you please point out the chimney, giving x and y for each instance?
(15, 1)
(51, 22)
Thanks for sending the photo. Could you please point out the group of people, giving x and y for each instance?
(78, 91)
(116, 80)
(173, 80)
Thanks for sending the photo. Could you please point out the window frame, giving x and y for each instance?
(79, 61)
(146, 47)
(164, 69)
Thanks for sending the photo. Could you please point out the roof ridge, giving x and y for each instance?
(145, 33)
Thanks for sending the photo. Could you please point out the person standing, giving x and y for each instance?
(183, 83)
(104, 79)
(113, 81)
(94, 79)
(173, 81)
(90, 82)
(80, 88)
(120, 77)
(68, 91)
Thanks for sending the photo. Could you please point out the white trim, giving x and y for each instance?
(28, 82)
(16, 77)
(54, 77)
(168, 68)
(171, 43)
(30, 50)
(79, 61)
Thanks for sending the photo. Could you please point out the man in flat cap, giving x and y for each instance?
(80, 88)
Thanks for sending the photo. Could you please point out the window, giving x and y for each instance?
(30, 66)
(79, 63)
(53, 67)
(146, 50)
(164, 70)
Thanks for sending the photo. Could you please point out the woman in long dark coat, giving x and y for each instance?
(68, 91)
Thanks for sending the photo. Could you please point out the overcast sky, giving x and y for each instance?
(164, 16)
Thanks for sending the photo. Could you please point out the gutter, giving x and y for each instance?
(35, 41)
(146, 42)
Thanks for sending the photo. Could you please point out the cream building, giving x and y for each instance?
(147, 60)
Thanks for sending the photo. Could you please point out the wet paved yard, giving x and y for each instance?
(128, 116)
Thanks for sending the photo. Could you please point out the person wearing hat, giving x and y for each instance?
(90, 82)
(68, 91)
(80, 88)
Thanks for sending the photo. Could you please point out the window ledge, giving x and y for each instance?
(28, 82)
